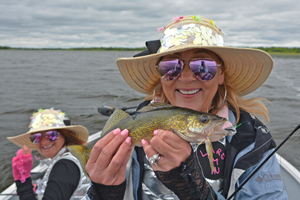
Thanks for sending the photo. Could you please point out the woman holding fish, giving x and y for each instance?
(173, 162)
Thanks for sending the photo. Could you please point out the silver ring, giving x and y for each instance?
(154, 159)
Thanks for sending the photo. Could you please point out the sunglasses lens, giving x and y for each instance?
(36, 138)
(51, 135)
(170, 69)
(204, 69)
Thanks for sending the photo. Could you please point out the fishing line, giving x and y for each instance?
(292, 142)
(296, 137)
(250, 176)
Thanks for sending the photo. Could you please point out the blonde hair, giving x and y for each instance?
(237, 103)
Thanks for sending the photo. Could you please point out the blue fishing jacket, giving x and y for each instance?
(245, 150)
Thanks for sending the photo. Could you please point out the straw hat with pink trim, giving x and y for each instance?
(247, 69)
(48, 119)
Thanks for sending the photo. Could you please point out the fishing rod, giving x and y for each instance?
(108, 110)
(288, 137)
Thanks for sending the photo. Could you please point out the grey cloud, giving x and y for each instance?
(76, 23)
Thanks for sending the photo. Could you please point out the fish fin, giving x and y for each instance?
(209, 151)
(82, 153)
(155, 105)
(131, 152)
(114, 119)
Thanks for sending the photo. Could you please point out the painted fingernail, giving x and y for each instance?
(128, 140)
(155, 132)
(117, 131)
(124, 132)
(143, 141)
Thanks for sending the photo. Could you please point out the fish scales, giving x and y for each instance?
(142, 124)
(190, 125)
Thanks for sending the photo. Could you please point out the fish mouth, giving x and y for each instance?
(214, 132)
(231, 130)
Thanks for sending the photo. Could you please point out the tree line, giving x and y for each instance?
(79, 48)
(280, 49)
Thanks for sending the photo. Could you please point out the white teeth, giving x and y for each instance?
(48, 147)
(189, 92)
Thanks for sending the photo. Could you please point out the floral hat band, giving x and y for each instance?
(47, 118)
(245, 68)
(191, 30)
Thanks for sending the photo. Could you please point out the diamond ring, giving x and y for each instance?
(154, 159)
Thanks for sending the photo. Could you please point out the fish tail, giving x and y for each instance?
(209, 152)
(82, 153)
(131, 151)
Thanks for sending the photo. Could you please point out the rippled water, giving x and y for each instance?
(78, 82)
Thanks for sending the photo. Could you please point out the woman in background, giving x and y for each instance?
(50, 135)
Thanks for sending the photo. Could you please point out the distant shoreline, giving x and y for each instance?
(270, 50)
(79, 49)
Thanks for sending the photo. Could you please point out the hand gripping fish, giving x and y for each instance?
(190, 125)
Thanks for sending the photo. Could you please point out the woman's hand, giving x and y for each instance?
(171, 148)
(108, 158)
(22, 164)
(26, 150)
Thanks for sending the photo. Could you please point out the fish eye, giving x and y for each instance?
(204, 119)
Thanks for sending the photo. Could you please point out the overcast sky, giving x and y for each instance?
(117, 23)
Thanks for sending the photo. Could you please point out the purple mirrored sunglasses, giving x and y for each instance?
(204, 69)
(50, 135)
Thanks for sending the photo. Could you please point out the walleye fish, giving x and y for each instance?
(193, 126)
(190, 125)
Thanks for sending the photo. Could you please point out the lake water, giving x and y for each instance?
(78, 82)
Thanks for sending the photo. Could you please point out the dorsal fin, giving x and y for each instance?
(114, 119)
(155, 105)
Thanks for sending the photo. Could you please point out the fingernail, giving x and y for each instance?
(155, 132)
(124, 132)
(117, 131)
(143, 141)
(128, 140)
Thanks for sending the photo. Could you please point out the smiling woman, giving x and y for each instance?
(50, 136)
(192, 91)
(190, 67)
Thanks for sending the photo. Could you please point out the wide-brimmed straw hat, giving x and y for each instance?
(247, 69)
(48, 119)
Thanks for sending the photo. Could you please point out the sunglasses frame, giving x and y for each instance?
(163, 76)
(44, 135)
